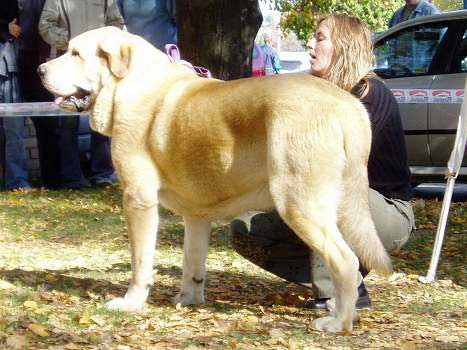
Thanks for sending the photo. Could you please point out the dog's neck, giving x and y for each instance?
(101, 114)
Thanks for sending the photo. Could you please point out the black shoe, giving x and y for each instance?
(363, 301)
(316, 304)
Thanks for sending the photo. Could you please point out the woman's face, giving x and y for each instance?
(321, 50)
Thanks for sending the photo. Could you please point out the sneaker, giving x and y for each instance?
(102, 182)
(363, 301)
(21, 189)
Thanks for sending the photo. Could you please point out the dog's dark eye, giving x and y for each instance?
(74, 53)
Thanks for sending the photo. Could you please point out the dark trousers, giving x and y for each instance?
(58, 151)
(101, 161)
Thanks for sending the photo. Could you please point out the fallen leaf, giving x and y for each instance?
(152, 327)
(447, 338)
(123, 347)
(17, 341)
(4, 285)
(407, 345)
(85, 319)
(30, 304)
(38, 330)
(276, 333)
(97, 319)
(203, 340)
(395, 276)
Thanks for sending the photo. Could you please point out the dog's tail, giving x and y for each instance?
(358, 229)
(369, 249)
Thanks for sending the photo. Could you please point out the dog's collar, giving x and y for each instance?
(174, 55)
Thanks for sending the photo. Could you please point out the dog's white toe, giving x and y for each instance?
(124, 304)
(331, 324)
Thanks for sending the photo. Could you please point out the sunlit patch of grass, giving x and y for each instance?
(19, 298)
(415, 256)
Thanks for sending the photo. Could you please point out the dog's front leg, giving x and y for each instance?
(195, 250)
(142, 218)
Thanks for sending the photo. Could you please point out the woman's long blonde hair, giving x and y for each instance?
(353, 57)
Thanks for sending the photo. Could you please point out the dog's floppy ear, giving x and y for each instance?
(117, 52)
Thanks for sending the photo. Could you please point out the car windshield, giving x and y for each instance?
(409, 52)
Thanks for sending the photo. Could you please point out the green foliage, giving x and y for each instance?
(299, 16)
(449, 5)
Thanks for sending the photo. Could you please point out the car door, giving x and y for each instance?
(404, 60)
(447, 95)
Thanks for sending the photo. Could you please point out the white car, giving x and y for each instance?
(294, 62)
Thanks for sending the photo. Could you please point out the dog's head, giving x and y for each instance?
(92, 60)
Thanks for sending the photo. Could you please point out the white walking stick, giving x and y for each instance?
(454, 164)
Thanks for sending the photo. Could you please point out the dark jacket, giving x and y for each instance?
(33, 51)
(388, 171)
(8, 12)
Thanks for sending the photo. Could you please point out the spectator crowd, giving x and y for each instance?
(35, 31)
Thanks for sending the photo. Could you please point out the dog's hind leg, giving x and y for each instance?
(313, 220)
(306, 187)
(195, 250)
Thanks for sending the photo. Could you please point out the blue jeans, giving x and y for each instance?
(101, 161)
(16, 166)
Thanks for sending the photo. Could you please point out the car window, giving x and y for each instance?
(291, 65)
(459, 62)
(409, 52)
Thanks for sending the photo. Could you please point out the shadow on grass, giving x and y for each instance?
(224, 290)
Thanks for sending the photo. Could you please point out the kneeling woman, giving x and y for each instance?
(341, 52)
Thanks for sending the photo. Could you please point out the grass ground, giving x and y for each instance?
(63, 254)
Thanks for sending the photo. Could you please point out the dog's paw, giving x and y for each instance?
(331, 324)
(188, 298)
(125, 304)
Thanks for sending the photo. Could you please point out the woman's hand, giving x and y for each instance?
(14, 29)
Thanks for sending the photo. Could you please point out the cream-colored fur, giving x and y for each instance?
(210, 149)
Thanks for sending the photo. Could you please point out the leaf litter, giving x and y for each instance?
(64, 254)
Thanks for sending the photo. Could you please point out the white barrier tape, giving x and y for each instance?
(33, 109)
(455, 96)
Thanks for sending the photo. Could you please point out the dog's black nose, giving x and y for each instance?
(41, 70)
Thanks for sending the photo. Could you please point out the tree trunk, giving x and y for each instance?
(218, 35)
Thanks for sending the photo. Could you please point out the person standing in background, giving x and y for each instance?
(16, 169)
(413, 9)
(60, 21)
(32, 52)
(273, 63)
(154, 20)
